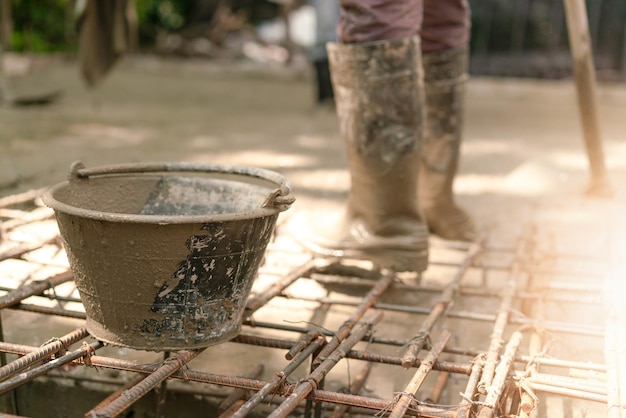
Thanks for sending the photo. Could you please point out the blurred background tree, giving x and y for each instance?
(526, 38)
(49, 25)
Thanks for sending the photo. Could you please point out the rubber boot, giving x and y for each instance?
(378, 96)
(445, 75)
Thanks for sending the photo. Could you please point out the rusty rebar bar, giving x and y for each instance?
(27, 376)
(355, 388)
(368, 301)
(35, 288)
(280, 377)
(132, 395)
(494, 391)
(416, 344)
(355, 401)
(497, 333)
(443, 366)
(438, 388)
(20, 198)
(407, 397)
(19, 349)
(301, 391)
(302, 343)
(39, 214)
(553, 326)
(528, 400)
(471, 388)
(48, 349)
(568, 393)
(132, 382)
(565, 382)
(254, 303)
(19, 250)
(47, 310)
(615, 347)
(236, 398)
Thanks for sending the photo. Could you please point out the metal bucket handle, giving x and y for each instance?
(279, 198)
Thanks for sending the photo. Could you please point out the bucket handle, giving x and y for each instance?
(279, 198)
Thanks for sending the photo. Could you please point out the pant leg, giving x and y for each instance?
(446, 25)
(378, 20)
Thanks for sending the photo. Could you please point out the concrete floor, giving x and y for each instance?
(523, 154)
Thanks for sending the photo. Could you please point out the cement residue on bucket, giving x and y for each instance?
(166, 262)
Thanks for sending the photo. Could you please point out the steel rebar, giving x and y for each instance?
(130, 396)
(438, 387)
(34, 288)
(528, 400)
(416, 344)
(132, 382)
(236, 398)
(471, 388)
(368, 301)
(259, 300)
(20, 198)
(443, 366)
(47, 350)
(502, 320)
(408, 395)
(502, 371)
(355, 388)
(568, 393)
(19, 250)
(251, 384)
(359, 330)
(280, 377)
(37, 371)
(39, 214)
(57, 311)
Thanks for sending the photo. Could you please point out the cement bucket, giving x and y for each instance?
(164, 254)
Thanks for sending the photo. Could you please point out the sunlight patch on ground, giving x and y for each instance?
(259, 158)
(203, 142)
(571, 160)
(532, 178)
(108, 136)
(478, 147)
(314, 141)
(329, 180)
(616, 154)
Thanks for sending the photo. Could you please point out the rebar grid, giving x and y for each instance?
(512, 371)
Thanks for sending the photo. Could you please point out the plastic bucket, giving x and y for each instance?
(164, 254)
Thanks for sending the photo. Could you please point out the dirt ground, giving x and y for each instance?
(523, 139)
(523, 155)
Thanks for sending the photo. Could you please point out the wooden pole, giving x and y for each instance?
(585, 78)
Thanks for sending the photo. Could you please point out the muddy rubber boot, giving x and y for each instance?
(445, 75)
(378, 95)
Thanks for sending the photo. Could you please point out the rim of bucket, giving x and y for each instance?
(276, 201)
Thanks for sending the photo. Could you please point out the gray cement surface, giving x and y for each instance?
(523, 159)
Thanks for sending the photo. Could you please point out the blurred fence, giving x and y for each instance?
(528, 38)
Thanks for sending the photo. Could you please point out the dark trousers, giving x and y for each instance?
(442, 24)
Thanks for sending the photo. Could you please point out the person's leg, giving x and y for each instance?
(377, 82)
(362, 21)
(445, 36)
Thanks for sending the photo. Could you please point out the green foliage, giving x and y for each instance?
(49, 25)
(41, 26)
(167, 15)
